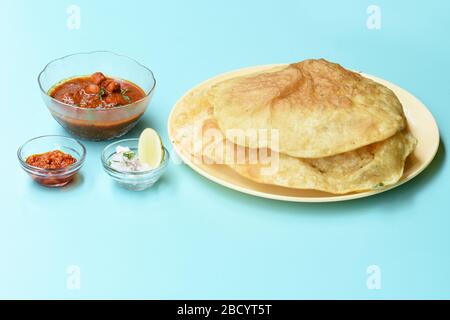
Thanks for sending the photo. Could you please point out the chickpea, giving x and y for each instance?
(111, 100)
(117, 98)
(113, 86)
(97, 78)
(92, 88)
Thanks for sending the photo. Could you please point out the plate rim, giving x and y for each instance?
(286, 198)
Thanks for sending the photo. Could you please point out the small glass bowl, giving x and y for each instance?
(96, 124)
(136, 181)
(42, 144)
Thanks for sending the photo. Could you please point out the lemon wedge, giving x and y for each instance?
(150, 148)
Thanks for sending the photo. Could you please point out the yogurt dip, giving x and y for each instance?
(127, 160)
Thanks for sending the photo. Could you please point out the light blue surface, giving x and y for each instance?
(188, 237)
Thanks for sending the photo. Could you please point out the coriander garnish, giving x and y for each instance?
(123, 93)
(128, 154)
(101, 92)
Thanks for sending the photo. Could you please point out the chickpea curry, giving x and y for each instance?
(97, 91)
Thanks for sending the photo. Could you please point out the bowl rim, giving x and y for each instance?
(90, 53)
(162, 165)
(69, 169)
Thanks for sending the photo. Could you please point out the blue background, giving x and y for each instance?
(188, 237)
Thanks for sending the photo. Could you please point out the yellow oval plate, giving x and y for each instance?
(420, 121)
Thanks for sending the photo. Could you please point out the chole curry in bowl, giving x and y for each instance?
(96, 92)
(101, 104)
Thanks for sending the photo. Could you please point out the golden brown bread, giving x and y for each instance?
(374, 166)
(197, 135)
(318, 107)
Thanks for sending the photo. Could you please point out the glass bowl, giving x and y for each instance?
(96, 124)
(42, 144)
(136, 181)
